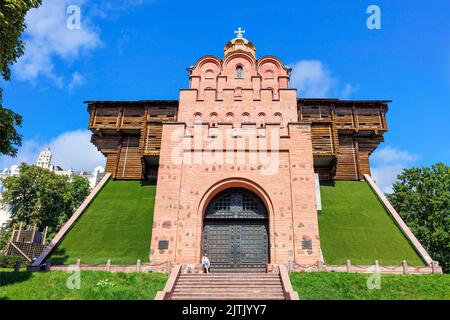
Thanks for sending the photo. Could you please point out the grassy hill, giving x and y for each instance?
(353, 286)
(117, 225)
(354, 225)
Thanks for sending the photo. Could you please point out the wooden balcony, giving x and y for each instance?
(348, 116)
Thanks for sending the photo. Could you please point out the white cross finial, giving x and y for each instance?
(239, 32)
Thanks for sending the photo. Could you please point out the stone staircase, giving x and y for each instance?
(227, 286)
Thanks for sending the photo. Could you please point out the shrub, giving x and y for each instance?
(9, 261)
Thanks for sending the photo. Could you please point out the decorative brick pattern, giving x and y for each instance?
(236, 132)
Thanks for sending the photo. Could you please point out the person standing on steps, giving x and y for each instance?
(205, 262)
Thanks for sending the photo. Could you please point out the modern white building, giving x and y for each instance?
(4, 210)
(45, 159)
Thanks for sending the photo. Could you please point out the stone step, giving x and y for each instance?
(201, 276)
(229, 282)
(226, 278)
(224, 285)
(233, 293)
(227, 297)
(228, 286)
(234, 289)
(230, 274)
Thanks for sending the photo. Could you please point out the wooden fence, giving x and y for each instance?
(404, 268)
(165, 267)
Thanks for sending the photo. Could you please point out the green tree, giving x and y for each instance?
(422, 198)
(12, 25)
(10, 140)
(39, 196)
(77, 191)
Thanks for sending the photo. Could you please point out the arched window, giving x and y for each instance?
(239, 72)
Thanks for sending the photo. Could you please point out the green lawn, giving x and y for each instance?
(93, 286)
(102, 285)
(352, 286)
(117, 226)
(354, 225)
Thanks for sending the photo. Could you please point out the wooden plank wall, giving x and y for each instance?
(129, 165)
(322, 138)
(323, 172)
(348, 131)
(346, 167)
(152, 133)
(126, 133)
(111, 163)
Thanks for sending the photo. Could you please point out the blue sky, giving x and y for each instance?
(138, 49)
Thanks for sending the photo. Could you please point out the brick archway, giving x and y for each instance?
(230, 183)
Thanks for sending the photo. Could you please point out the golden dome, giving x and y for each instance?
(240, 43)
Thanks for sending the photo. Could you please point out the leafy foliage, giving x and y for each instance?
(10, 261)
(422, 198)
(39, 196)
(12, 24)
(9, 138)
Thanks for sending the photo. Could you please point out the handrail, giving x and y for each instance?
(168, 289)
(289, 292)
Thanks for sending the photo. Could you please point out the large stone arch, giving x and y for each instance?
(236, 182)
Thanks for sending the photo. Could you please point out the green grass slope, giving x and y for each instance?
(352, 286)
(94, 286)
(117, 225)
(354, 225)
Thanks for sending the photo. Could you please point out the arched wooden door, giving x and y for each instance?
(235, 232)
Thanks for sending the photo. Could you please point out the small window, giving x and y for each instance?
(239, 72)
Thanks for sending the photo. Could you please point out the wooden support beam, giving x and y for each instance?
(19, 232)
(20, 251)
(33, 234)
(45, 235)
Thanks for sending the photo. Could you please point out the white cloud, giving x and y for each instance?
(311, 78)
(314, 80)
(77, 80)
(347, 91)
(389, 155)
(70, 150)
(47, 37)
(388, 163)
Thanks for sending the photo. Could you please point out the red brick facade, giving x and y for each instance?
(237, 126)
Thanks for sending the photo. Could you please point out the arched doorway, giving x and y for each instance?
(235, 232)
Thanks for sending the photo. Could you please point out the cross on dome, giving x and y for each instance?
(240, 32)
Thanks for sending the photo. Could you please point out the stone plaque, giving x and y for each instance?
(307, 244)
(163, 245)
